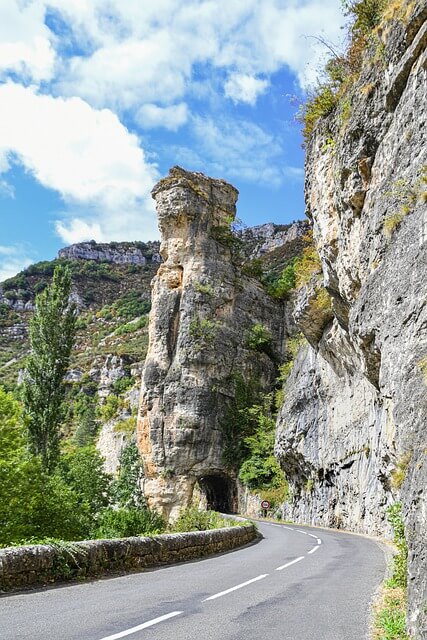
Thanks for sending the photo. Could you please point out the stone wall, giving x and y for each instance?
(40, 564)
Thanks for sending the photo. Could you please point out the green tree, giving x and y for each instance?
(84, 411)
(33, 504)
(83, 471)
(126, 488)
(52, 332)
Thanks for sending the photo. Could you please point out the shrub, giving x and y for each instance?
(398, 474)
(110, 409)
(286, 282)
(131, 327)
(83, 471)
(307, 265)
(123, 384)
(193, 519)
(320, 103)
(203, 332)
(129, 521)
(399, 576)
(259, 338)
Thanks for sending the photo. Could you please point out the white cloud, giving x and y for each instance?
(150, 116)
(236, 150)
(25, 41)
(241, 87)
(84, 154)
(13, 258)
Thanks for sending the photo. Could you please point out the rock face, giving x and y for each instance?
(264, 238)
(116, 252)
(352, 435)
(203, 310)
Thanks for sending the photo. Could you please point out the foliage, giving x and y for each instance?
(399, 576)
(193, 519)
(239, 423)
(123, 384)
(52, 331)
(398, 474)
(129, 521)
(204, 287)
(322, 101)
(282, 287)
(84, 410)
(83, 471)
(132, 326)
(261, 470)
(203, 332)
(307, 265)
(342, 69)
(126, 488)
(32, 503)
(389, 623)
(110, 408)
(259, 338)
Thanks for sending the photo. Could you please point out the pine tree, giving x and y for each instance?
(52, 332)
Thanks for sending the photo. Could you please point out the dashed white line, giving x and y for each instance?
(300, 531)
(313, 549)
(289, 563)
(238, 586)
(144, 625)
(312, 535)
(319, 541)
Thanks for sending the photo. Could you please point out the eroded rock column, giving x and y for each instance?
(202, 309)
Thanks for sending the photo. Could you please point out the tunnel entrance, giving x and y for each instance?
(220, 493)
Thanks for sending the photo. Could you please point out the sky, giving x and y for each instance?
(99, 98)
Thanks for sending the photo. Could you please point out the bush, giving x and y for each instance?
(322, 101)
(286, 282)
(83, 471)
(203, 332)
(259, 338)
(129, 521)
(193, 519)
(399, 577)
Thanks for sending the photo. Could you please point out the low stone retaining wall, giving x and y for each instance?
(41, 564)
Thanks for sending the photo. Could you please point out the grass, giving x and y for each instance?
(398, 474)
(390, 615)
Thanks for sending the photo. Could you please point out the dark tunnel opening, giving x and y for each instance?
(220, 493)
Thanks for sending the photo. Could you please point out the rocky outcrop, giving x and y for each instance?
(352, 432)
(116, 252)
(203, 313)
(265, 238)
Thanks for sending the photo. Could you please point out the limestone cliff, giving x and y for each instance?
(203, 312)
(352, 435)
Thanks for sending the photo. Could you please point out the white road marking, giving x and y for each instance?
(288, 528)
(238, 586)
(289, 563)
(304, 532)
(144, 625)
(312, 536)
(313, 549)
(319, 541)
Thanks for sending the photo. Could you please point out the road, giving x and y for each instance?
(297, 583)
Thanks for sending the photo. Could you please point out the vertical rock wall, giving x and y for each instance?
(352, 434)
(202, 310)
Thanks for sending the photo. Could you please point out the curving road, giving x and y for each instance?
(297, 583)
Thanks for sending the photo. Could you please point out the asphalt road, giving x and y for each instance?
(297, 583)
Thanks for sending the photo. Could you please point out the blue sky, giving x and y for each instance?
(99, 98)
